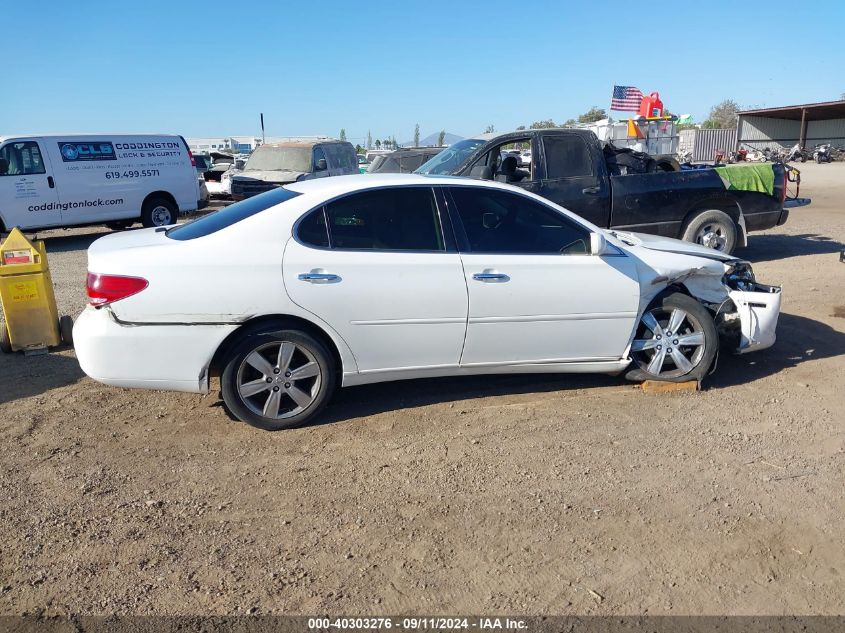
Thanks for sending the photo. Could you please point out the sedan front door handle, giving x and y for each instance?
(318, 276)
(590, 190)
(490, 276)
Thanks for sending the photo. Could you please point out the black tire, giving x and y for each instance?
(158, 212)
(66, 329)
(712, 227)
(120, 225)
(238, 373)
(5, 340)
(700, 321)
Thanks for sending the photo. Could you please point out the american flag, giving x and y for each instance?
(626, 99)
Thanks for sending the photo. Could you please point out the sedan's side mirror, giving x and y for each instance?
(321, 165)
(598, 244)
(4, 166)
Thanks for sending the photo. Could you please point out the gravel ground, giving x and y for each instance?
(530, 495)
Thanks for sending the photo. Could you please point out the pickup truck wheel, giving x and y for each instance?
(675, 341)
(158, 212)
(713, 229)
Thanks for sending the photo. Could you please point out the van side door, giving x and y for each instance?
(28, 196)
(572, 178)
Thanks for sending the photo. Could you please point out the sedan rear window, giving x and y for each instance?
(218, 220)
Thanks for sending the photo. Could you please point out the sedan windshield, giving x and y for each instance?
(280, 159)
(447, 161)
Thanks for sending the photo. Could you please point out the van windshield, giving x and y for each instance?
(280, 159)
(447, 161)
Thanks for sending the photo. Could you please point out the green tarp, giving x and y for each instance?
(752, 177)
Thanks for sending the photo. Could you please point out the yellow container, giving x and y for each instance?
(26, 292)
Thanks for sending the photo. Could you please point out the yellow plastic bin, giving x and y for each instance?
(26, 293)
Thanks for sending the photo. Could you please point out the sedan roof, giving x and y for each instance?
(343, 184)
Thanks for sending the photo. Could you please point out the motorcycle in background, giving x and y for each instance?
(796, 153)
(684, 156)
(756, 156)
(739, 156)
(822, 153)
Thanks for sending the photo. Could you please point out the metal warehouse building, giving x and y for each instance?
(808, 124)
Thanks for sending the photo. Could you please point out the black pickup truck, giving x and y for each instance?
(570, 168)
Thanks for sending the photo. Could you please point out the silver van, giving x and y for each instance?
(275, 164)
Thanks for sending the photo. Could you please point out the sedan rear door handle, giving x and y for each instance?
(590, 190)
(318, 276)
(490, 276)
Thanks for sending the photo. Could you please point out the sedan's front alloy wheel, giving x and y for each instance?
(676, 340)
(278, 380)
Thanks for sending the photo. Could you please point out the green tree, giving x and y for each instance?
(490, 129)
(417, 135)
(378, 144)
(359, 149)
(540, 125)
(369, 140)
(592, 115)
(343, 134)
(569, 123)
(722, 115)
(441, 138)
(521, 127)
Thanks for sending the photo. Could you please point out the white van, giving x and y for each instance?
(75, 179)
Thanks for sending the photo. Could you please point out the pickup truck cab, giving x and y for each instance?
(568, 166)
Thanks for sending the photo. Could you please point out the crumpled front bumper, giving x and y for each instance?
(758, 311)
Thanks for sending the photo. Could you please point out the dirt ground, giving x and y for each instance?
(521, 495)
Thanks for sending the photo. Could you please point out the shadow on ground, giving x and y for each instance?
(369, 400)
(764, 248)
(75, 242)
(26, 376)
(799, 340)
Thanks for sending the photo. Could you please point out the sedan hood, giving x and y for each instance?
(276, 177)
(670, 245)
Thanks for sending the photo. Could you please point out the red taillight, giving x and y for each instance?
(106, 289)
(190, 153)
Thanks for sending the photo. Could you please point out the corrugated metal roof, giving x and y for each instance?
(815, 111)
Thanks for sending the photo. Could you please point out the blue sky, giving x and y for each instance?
(314, 67)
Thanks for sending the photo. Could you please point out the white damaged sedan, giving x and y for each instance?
(350, 280)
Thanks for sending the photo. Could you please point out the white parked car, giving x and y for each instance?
(525, 158)
(350, 280)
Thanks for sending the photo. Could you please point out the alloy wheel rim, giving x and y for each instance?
(161, 216)
(712, 236)
(279, 380)
(670, 343)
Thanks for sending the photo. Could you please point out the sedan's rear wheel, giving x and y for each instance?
(676, 340)
(278, 380)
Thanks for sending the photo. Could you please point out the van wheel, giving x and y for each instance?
(278, 380)
(714, 229)
(5, 340)
(158, 212)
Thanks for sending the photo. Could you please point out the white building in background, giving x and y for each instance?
(236, 144)
(233, 144)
